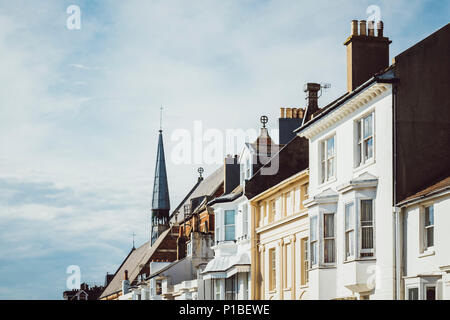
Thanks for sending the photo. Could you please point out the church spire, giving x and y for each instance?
(160, 201)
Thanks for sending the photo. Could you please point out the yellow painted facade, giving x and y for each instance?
(280, 241)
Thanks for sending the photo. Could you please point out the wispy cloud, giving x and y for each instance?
(77, 155)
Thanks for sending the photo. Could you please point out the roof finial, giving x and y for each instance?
(133, 240)
(200, 171)
(264, 120)
(160, 119)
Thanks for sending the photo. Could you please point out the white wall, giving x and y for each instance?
(381, 167)
(419, 262)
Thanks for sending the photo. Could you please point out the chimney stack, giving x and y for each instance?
(367, 54)
(288, 122)
(231, 173)
(311, 90)
(125, 283)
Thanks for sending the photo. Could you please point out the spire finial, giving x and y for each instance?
(160, 119)
(200, 171)
(264, 120)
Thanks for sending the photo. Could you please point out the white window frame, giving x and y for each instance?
(424, 228)
(229, 225)
(360, 142)
(324, 159)
(352, 228)
(247, 169)
(245, 221)
(217, 230)
(189, 248)
(323, 238)
(360, 233)
(217, 289)
(314, 242)
(304, 261)
(415, 286)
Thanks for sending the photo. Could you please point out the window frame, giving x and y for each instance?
(324, 159)
(330, 238)
(412, 287)
(353, 219)
(430, 285)
(313, 242)
(360, 158)
(304, 261)
(245, 220)
(272, 269)
(233, 225)
(425, 246)
(189, 248)
(217, 229)
(362, 251)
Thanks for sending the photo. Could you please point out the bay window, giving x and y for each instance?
(327, 159)
(366, 227)
(313, 241)
(349, 230)
(328, 238)
(364, 140)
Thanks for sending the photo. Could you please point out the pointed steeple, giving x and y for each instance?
(160, 201)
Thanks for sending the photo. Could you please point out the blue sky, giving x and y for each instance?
(80, 109)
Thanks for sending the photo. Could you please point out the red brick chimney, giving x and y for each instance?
(367, 53)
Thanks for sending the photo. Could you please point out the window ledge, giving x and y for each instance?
(326, 183)
(427, 253)
(304, 286)
(363, 166)
(360, 259)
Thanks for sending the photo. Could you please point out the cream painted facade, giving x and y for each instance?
(280, 234)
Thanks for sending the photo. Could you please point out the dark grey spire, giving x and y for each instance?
(160, 201)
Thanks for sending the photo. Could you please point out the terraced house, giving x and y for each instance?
(378, 144)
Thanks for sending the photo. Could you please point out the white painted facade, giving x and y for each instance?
(231, 281)
(427, 265)
(359, 272)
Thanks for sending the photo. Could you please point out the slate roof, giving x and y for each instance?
(233, 195)
(134, 262)
(207, 187)
(160, 200)
(291, 159)
(436, 188)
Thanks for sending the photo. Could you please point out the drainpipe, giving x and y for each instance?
(398, 274)
(396, 210)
